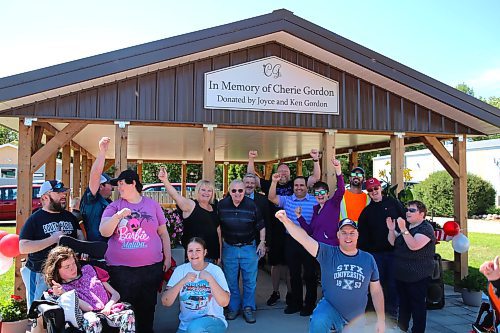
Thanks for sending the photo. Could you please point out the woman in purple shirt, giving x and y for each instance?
(324, 222)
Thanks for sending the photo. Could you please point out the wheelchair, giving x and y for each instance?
(51, 313)
(488, 318)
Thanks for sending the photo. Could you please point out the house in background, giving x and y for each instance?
(8, 167)
(483, 160)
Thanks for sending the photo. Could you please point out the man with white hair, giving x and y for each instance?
(239, 220)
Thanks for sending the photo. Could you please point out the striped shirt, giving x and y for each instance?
(290, 202)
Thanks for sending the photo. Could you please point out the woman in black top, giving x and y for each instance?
(200, 217)
(414, 249)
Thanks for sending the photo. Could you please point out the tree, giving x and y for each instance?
(7, 135)
(465, 89)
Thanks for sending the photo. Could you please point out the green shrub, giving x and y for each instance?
(437, 193)
(475, 281)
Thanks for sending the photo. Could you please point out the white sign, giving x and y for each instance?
(271, 84)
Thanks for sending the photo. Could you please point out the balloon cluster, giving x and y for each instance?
(9, 248)
(459, 241)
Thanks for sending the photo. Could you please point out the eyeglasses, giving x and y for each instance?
(239, 190)
(357, 174)
(320, 192)
(412, 210)
(375, 188)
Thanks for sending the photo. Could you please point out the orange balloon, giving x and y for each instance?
(9, 245)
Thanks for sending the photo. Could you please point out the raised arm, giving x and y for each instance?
(316, 175)
(186, 205)
(272, 196)
(339, 192)
(98, 165)
(298, 233)
(252, 154)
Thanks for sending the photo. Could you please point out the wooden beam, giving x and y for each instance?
(85, 176)
(460, 204)
(50, 164)
(108, 164)
(66, 164)
(58, 141)
(76, 174)
(327, 170)
(209, 153)
(268, 170)
(225, 177)
(183, 178)
(443, 156)
(139, 170)
(299, 167)
(353, 160)
(24, 193)
(37, 138)
(121, 141)
(397, 162)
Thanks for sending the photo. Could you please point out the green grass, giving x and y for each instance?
(482, 247)
(7, 279)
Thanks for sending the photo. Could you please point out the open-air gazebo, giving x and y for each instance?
(275, 83)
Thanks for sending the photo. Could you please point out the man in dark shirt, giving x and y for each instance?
(373, 232)
(96, 197)
(276, 232)
(239, 220)
(41, 233)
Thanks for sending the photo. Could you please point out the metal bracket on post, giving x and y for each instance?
(400, 135)
(210, 127)
(331, 131)
(29, 121)
(140, 161)
(122, 124)
(460, 137)
(184, 162)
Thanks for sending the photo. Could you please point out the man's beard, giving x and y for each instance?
(56, 206)
(353, 184)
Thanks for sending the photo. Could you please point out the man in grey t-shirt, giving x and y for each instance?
(347, 274)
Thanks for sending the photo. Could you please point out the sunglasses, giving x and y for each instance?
(58, 186)
(412, 210)
(320, 192)
(239, 190)
(375, 188)
(357, 174)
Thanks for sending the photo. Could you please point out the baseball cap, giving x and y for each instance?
(371, 183)
(347, 221)
(51, 185)
(358, 169)
(126, 174)
(104, 179)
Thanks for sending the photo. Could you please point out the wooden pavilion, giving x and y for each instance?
(209, 97)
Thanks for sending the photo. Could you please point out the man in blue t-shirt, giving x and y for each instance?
(347, 274)
(95, 199)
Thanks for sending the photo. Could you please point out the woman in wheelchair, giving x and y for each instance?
(97, 299)
(202, 290)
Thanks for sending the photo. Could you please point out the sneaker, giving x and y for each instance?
(290, 309)
(306, 311)
(249, 315)
(274, 298)
(231, 315)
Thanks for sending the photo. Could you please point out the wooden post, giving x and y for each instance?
(76, 174)
(209, 152)
(121, 140)
(268, 170)
(353, 159)
(299, 167)
(85, 176)
(139, 169)
(225, 177)
(24, 193)
(397, 160)
(327, 170)
(66, 164)
(50, 164)
(460, 204)
(183, 178)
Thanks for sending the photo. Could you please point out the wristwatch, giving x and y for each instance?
(406, 232)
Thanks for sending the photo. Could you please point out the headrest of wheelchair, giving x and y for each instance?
(95, 250)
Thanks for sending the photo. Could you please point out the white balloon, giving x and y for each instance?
(5, 264)
(460, 243)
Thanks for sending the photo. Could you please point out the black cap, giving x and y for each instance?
(358, 169)
(126, 174)
(347, 221)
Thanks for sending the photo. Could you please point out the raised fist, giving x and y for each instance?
(163, 174)
(252, 154)
(314, 154)
(276, 177)
(104, 144)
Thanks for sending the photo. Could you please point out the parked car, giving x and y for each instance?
(159, 187)
(8, 196)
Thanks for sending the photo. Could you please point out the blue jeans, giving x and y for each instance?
(34, 283)
(385, 264)
(207, 324)
(244, 259)
(324, 317)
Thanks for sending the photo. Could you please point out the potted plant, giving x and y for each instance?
(472, 286)
(13, 313)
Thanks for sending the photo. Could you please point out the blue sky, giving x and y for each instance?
(451, 41)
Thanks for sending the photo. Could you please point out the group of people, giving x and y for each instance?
(370, 249)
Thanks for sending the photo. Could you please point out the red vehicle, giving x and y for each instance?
(8, 196)
(158, 187)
